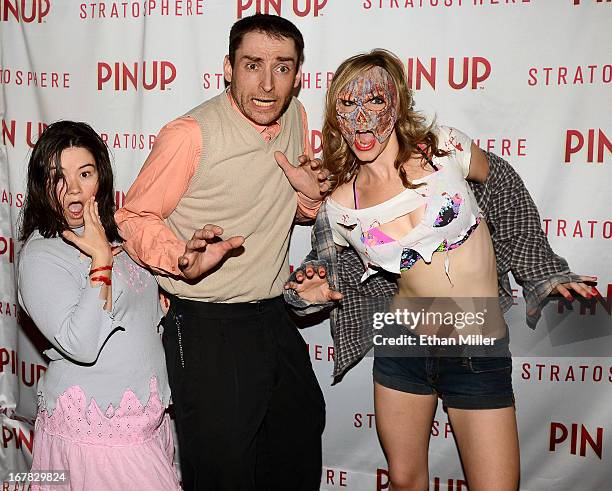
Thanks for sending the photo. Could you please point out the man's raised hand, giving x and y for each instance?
(309, 177)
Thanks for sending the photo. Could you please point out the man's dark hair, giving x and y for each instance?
(42, 210)
(271, 25)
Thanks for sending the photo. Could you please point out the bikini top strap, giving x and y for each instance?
(355, 193)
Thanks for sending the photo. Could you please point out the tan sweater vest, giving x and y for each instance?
(239, 186)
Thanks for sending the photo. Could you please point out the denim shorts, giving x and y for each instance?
(461, 383)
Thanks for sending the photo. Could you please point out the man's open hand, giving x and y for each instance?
(205, 250)
(309, 178)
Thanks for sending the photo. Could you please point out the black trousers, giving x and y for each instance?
(249, 410)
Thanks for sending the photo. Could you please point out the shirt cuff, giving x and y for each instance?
(307, 207)
(165, 262)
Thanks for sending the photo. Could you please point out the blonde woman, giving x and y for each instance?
(402, 205)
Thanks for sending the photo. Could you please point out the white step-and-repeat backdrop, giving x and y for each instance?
(530, 80)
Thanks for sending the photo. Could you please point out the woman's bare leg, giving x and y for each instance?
(489, 447)
(403, 422)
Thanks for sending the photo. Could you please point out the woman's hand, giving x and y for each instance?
(585, 288)
(93, 242)
(313, 286)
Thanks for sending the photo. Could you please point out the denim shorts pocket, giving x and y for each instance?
(483, 364)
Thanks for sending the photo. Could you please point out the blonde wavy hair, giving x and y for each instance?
(411, 126)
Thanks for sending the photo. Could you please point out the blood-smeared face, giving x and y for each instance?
(367, 109)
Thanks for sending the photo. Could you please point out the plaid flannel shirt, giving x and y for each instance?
(518, 240)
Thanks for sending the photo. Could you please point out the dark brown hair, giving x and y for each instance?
(42, 210)
(271, 25)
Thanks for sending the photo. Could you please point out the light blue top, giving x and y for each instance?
(103, 352)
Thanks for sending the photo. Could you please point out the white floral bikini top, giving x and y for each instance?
(451, 214)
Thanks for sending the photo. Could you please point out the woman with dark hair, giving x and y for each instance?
(102, 401)
(401, 201)
(43, 211)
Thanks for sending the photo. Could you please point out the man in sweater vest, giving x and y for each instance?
(249, 410)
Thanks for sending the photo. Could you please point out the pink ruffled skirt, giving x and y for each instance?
(124, 449)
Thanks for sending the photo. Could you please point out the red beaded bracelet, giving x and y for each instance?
(101, 268)
(103, 279)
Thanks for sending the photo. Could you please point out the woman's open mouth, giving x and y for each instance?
(75, 210)
(364, 141)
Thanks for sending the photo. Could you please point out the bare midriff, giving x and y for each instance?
(473, 277)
